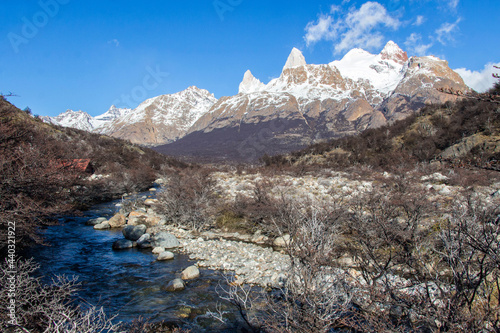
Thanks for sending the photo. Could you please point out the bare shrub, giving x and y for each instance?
(316, 296)
(244, 300)
(423, 274)
(47, 308)
(189, 199)
(390, 261)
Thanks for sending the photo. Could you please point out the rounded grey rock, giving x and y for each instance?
(96, 221)
(165, 240)
(133, 233)
(192, 272)
(144, 242)
(102, 226)
(175, 285)
(165, 255)
(122, 244)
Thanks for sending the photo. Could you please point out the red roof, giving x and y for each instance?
(81, 165)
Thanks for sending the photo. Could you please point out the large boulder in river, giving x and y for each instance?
(117, 221)
(122, 244)
(134, 232)
(192, 272)
(165, 240)
(137, 217)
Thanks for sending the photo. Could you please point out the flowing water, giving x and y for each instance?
(128, 282)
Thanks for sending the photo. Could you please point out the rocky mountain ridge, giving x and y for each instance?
(309, 103)
(158, 120)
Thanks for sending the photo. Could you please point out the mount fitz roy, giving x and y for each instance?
(307, 103)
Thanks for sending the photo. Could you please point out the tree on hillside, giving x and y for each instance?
(496, 88)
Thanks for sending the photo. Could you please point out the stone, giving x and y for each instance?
(165, 240)
(175, 285)
(133, 233)
(165, 255)
(153, 220)
(144, 241)
(122, 244)
(102, 226)
(96, 221)
(158, 250)
(192, 272)
(150, 202)
(446, 191)
(282, 241)
(136, 218)
(117, 221)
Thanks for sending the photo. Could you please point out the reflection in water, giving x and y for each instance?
(126, 282)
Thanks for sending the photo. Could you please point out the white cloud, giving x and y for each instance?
(446, 31)
(359, 28)
(114, 41)
(335, 8)
(322, 29)
(480, 81)
(419, 20)
(453, 4)
(416, 46)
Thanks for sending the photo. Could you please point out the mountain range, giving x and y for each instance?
(306, 104)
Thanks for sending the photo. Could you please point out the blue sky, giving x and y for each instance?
(86, 55)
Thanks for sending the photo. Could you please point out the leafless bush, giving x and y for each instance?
(47, 308)
(243, 299)
(316, 296)
(189, 199)
(422, 274)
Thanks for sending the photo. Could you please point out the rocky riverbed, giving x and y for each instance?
(252, 258)
(251, 263)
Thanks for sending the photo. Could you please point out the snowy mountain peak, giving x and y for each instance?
(295, 59)
(75, 119)
(382, 72)
(110, 115)
(250, 84)
(393, 52)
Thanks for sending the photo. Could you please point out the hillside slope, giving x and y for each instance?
(464, 133)
(41, 171)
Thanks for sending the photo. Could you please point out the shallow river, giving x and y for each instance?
(127, 282)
